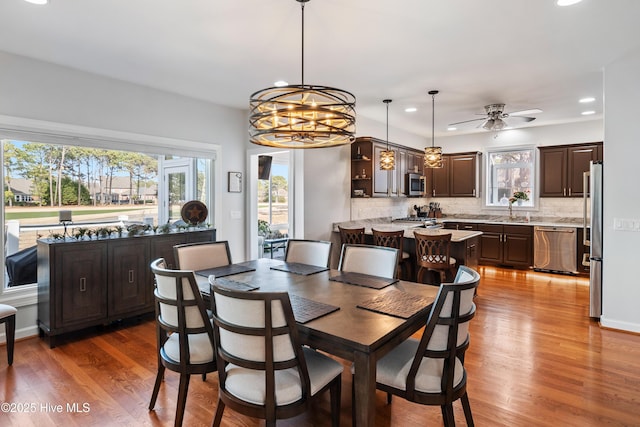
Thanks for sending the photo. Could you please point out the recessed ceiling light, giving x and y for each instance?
(452, 128)
(588, 113)
(410, 110)
(281, 83)
(567, 2)
(37, 1)
(587, 99)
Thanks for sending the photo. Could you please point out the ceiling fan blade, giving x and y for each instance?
(521, 118)
(467, 121)
(523, 112)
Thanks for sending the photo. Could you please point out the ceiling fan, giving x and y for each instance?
(495, 116)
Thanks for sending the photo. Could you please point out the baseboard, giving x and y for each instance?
(28, 332)
(619, 325)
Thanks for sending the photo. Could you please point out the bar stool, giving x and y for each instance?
(432, 254)
(352, 236)
(395, 239)
(8, 317)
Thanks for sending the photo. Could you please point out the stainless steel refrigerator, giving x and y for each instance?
(593, 235)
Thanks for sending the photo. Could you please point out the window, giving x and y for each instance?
(510, 171)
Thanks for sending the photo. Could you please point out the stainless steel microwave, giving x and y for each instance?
(414, 185)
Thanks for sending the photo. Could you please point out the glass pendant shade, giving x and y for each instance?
(302, 116)
(387, 160)
(433, 157)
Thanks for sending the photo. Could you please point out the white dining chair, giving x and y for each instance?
(366, 259)
(311, 252)
(202, 255)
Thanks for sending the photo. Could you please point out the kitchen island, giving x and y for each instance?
(464, 243)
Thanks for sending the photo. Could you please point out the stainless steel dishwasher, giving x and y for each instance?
(555, 249)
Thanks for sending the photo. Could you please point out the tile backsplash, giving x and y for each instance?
(363, 208)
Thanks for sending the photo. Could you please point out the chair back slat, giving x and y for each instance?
(432, 250)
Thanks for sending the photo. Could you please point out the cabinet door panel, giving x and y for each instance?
(463, 176)
(381, 180)
(162, 247)
(553, 172)
(517, 250)
(579, 159)
(81, 275)
(440, 179)
(128, 285)
(491, 247)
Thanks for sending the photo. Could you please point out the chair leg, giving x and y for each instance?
(10, 333)
(217, 419)
(156, 387)
(447, 415)
(335, 395)
(467, 410)
(183, 388)
(389, 397)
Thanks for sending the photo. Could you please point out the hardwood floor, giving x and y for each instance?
(535, 359)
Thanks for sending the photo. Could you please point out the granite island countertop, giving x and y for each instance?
(386, 224)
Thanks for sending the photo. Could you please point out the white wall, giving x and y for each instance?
(48, 93)
(621, 283)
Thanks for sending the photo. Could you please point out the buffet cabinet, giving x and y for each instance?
(83, 283)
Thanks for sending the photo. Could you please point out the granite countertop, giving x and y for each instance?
(386, 224)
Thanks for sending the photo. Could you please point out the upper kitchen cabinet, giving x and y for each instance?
(458, 177)
(368, 180)
(562, 168)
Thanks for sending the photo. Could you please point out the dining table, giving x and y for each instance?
(347, 317)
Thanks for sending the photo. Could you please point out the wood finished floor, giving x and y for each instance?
(536, 359)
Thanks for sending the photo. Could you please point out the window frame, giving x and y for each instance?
(488, 184)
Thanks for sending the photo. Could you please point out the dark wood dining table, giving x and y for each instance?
(352, 333)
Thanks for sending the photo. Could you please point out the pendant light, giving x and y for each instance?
(433, 154)
(302, 116)
(387, 157)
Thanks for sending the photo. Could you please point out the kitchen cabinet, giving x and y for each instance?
(458, 176)
(368, 180)
(467, 226)
(562, 168)
(83, 283)
(510, 245)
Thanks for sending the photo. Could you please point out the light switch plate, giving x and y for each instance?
(236, 214)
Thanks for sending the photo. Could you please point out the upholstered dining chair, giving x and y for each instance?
(202, 255)
(395, 239)
(8, 317)
(311, 252)
(264, 371)
(184, 331)
(366, 259)
(433, 254)
(430, 371)
(351, 236)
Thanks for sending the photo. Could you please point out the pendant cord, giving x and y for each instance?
(433, 119)
(302, 6)
(387, 126)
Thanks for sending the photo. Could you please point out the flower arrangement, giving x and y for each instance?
(519, 195)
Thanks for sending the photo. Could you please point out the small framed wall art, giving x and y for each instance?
(235, 182)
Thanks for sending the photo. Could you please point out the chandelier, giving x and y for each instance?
(387, 157)
(302, 116)
(433, 155)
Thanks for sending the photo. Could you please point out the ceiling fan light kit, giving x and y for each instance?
(433, 154)
(302, 116)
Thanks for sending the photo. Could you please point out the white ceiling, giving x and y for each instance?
(524, 53)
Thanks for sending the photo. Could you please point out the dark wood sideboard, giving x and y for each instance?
(83, 283)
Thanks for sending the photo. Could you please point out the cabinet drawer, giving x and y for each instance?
(518, 229)
(490, 228)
